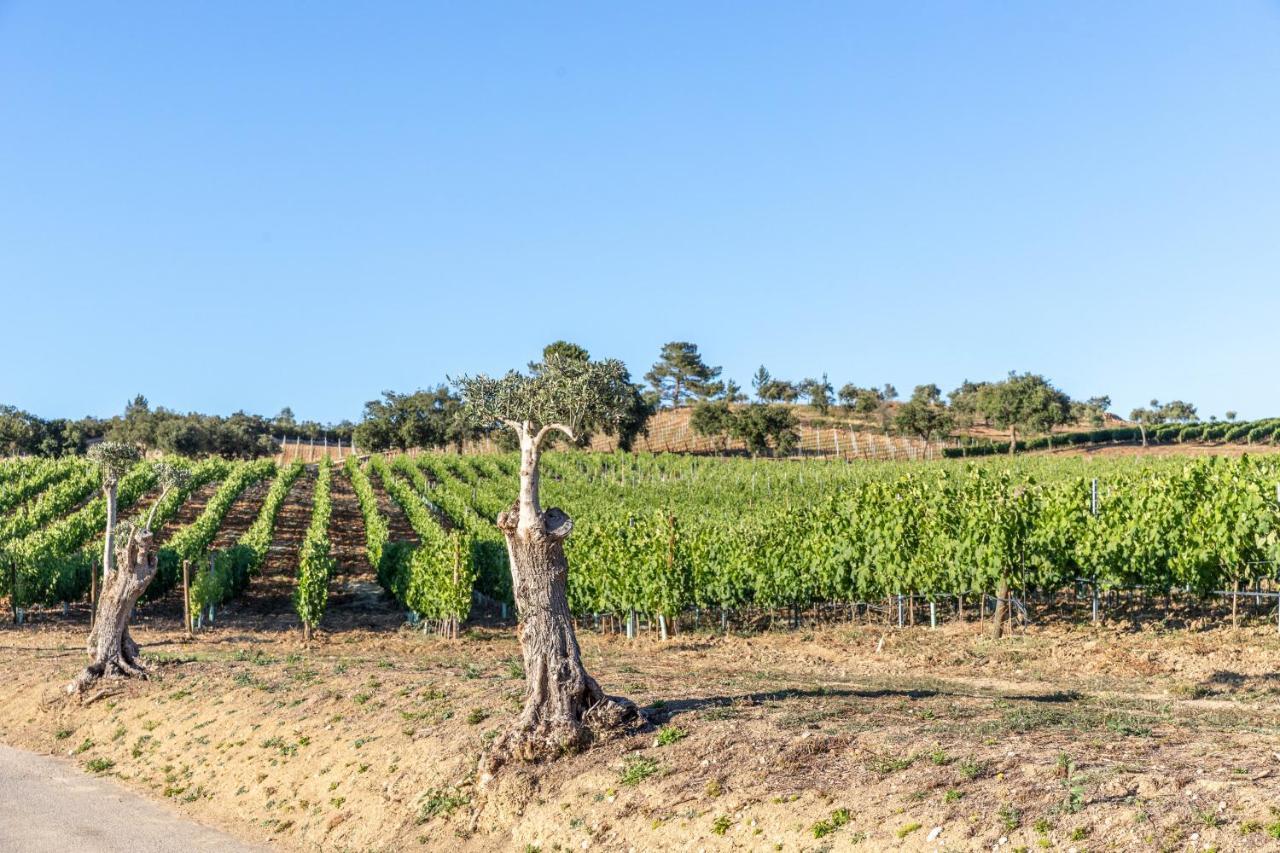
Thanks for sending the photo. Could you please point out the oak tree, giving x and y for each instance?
(1024, 401)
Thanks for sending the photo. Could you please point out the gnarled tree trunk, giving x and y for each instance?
(112, 651)
(564, 705)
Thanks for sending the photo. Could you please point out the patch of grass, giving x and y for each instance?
(1080, 833)
(1010, 817)
(1043, 825)
(85, 746)
(280, 744)
(100, 765)
(1249, 827)
(668, 735)
(1209, 818)
(952, 795)
(515, 669)
(823, 828)
(1128, 726)
(722, 712)
(713, 789)
(1273, 830)
(971, 768)
(63, 734)
(906, 830)
(721, 825)
(940, 757)
(441, 802)
(637, 769)
(477, 716)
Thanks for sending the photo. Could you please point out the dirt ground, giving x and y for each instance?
(832, 737)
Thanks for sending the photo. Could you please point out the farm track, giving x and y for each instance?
(268, 604)
(356, 600)
(397, 522)
(192, 508)
(243, 512)
(346, 528)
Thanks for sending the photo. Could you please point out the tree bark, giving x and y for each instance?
(108, 542)
(1013, 440)
(112, 652)
(564, 706)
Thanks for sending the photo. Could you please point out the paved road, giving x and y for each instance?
(51, 806)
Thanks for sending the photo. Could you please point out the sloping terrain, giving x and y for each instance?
(843, 737)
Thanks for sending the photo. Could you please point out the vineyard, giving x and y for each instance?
(793, 629)
(676, 539)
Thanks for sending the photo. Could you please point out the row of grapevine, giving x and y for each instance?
(660, 536)
(315, 560)
(376, 529)
(434, 579)
(192, 542)
(456, 499)
(168, 571)
(47, 472)
(225, 574)
(53, 564)
(51, 504)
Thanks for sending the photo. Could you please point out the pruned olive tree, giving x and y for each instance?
(113, 459)
(564, 706)
(112, 651)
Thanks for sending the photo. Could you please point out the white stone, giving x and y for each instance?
(934, 833)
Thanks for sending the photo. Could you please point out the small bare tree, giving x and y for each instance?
(563, 704)
(112, 651)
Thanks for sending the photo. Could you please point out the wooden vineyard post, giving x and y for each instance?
(1093, 508)
(13, 588)
(186, 595)
(212, 559)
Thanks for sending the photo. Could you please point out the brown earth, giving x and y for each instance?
(836, 736)
(268, 603)
(397, 522)
(1136, 450)
(191, 509)
(242, 513)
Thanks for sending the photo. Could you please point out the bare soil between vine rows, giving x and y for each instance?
(1064, 737)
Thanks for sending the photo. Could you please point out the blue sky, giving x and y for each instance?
(247, 205)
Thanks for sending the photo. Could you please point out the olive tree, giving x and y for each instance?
(563, 705)
(113, 459)
(1148, 417)
(112, 651)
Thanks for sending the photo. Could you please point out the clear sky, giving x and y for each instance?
(251, 205)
